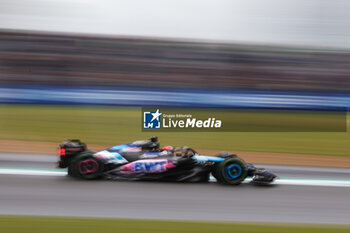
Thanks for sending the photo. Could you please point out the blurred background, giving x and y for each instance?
(237, 53)
(63, 62)
(84, 68)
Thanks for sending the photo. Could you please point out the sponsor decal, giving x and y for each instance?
(150, 155)
(148, 166)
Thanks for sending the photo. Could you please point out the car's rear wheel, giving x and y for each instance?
(86, 166)
(231, 171)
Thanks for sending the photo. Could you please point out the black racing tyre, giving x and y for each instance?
(70, 169)
(213, 172)
(231, 171)
(86, 166)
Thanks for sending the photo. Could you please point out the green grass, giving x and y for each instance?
(76, 225)
(114, 125)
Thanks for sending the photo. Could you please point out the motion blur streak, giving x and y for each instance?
(294, 22)
(171, 97)
(281, 181)
(59, 196)
(185, 53)
(26, 192)
(127, 71)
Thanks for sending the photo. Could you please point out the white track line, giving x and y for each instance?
(29, 172)
(314, 182)
(282, 181)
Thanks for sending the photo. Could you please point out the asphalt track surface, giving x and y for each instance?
(64, 196)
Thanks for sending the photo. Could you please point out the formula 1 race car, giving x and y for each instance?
(145, 160)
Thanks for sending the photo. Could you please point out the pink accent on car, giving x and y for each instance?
(103, 155)
(87, 166)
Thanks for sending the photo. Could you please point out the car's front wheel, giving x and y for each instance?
(231, 171)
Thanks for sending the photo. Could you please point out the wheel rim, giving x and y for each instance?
(87, 166)
(233, 171)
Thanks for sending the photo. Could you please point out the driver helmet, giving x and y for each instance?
(167, 148)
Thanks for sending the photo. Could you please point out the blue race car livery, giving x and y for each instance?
(145, 160)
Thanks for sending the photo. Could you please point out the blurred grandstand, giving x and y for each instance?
(77, 60)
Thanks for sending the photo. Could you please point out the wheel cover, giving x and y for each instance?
(87, 166)
(233, 171)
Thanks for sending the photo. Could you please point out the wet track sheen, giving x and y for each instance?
(51, 195)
